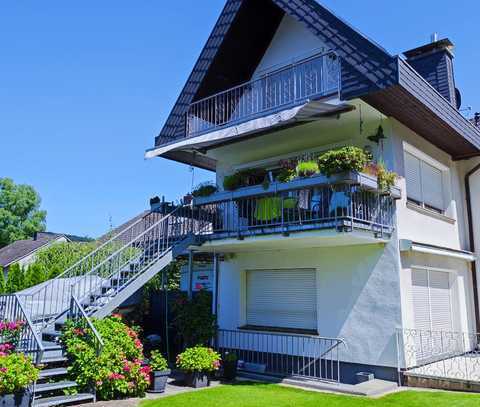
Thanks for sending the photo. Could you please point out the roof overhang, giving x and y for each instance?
(410, 246)
(189, 147)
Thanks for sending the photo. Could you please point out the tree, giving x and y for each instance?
(15, 279)
(20, 214)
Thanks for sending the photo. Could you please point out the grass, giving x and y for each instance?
(258, 395)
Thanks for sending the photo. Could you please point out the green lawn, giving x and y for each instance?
(253, 395)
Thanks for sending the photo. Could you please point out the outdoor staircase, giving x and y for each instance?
(93, 288)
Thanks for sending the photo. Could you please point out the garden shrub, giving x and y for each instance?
(193, 318)
(157, 362)
(342, 160)
(117, 372)
(10, 334)
(17, 371)
(198, 359)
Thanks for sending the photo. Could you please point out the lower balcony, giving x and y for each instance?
(341, 204)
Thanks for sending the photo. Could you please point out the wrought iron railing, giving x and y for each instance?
(29, 342)
(342, 206)
(439, 354)
(80, 317)
(284, 354)
(307, 79)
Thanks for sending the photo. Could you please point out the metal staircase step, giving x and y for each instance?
(53, 359)
(48, 387)
(61, 400)
(49, 373)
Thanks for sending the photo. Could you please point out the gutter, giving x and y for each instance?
(471, 235)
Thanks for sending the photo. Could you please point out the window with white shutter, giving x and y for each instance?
(424, 183)
(282, 299)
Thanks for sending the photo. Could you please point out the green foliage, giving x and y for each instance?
(16, 373)
(230, 357)
(20, 216)
(157, 362)
(342, 160)
(244, 178)
(198, 359)
(307, 168)
(58, 257)
(117, 372)
(15, 279)
(204, 189)
(194, 319)
(3, 282)
(385, 179)
(10, 335)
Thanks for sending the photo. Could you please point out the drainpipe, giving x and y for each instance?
(472, 242)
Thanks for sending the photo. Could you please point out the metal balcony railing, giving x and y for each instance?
(307, 79)
(308, 204)
(290, 355)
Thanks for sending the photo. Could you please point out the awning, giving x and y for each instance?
(409, 246)
(307, 112)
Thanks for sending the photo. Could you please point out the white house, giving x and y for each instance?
(386, 280)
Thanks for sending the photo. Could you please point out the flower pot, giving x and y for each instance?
(230, 370)
(197, 380)
(20, 399)
(158, 381)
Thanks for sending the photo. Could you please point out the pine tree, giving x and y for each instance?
(15, 279)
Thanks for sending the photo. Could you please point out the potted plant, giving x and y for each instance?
(342, 160)
(385, 179)
(198, 363)
(160, 372)
(230, 366)
(17, 372)
(307, 168)
(204, 189)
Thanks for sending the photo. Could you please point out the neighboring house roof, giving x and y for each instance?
(142, 226)
(22, 248)
(243, 33)
(19, 249)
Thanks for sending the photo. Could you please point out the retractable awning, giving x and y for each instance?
(183, 150)
(409, 246)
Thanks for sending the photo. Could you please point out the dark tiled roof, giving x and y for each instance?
(21, 248)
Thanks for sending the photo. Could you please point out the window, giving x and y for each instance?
(282, 299)
(424, 183)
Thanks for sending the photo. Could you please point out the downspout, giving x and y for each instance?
(471, 235)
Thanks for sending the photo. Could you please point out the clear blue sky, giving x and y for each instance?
(85, 87)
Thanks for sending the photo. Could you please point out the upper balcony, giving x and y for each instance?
(289, 86)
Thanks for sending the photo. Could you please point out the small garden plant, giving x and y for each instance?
(199, 359)
(10, 333)
(385, 179)
(17, 372)
(204, 189)
(118, 371)
(157, 362)
(307, 168)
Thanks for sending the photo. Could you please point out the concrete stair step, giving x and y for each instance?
(63, 400)
(49, 387)
(54, 372)
(53, 359)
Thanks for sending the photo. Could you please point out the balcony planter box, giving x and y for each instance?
(197, 380)
(20, 399)
(158, 381)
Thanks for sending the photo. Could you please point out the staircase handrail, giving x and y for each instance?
(95, 251)
(137, 238)
(99, 344)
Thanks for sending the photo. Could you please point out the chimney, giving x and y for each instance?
(434, 62)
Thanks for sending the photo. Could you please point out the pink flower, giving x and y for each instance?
(138, 344)
(216, 364)
(3, 369)
(116, 376)
(127, 368)
(99, 383)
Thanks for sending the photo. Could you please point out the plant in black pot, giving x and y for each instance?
(230, 366)
(17, 373)
(198, 363)
(160, 372)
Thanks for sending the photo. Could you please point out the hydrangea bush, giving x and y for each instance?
(10, 333)
(118, 371)
(16, 373)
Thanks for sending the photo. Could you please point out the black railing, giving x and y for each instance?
(343, 206)
(307, 79)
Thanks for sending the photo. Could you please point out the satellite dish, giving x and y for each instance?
(458, 98)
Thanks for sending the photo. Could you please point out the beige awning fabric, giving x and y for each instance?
(307, 112)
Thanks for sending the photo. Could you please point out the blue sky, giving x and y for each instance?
(85, 87)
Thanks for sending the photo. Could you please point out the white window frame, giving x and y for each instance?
(445, 171)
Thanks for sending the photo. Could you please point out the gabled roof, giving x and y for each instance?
(243, 33)
(22, 248)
